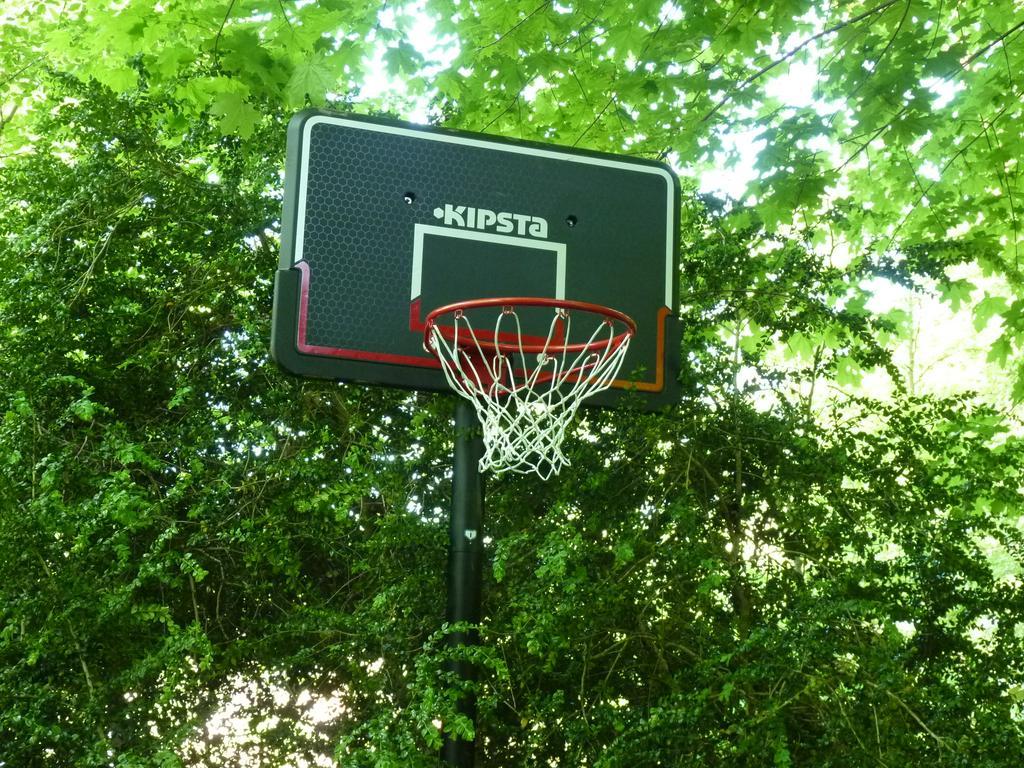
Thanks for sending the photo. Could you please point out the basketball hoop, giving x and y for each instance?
(527, 388)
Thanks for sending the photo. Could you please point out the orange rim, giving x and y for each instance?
(611, 316)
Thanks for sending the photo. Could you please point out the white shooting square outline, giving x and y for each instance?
(422, 230)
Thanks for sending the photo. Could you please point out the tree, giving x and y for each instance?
(745, 579)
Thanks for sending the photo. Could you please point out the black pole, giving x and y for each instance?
(465, 556)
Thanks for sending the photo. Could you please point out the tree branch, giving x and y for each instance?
(793, 52)
(967, 145)
(195, 603)
(938, 739)
(974, 56)
(501, 114)
(877, 61)
(594, 121)
(71, 630)
(216, 40)
(516, 26)
(17, 73)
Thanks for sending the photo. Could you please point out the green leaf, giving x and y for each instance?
(623, 553)
(1014, 318)
(833, 337)
(402, 59)
(900, 319)
(448, 84)
(957, 293)
(171, 59)
(198, 94)
(1018, 385)
(312, 78)
(1000, 350)
(986, 309)
(310, 515)
(235, 115)
(801, 345)
(180, 395)
(848, 372)
(119, 79)
(349, 56)
(751, 342)
(84, 408)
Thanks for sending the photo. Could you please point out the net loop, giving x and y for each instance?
(526, 389)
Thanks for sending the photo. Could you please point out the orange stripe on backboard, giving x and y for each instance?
(659, 366)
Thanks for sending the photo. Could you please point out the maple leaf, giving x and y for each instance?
(311, 79)
(235, 115)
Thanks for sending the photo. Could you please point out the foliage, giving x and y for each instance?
(775, 572)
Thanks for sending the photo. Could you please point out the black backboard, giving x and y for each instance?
(384, 221)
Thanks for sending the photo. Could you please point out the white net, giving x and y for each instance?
(527, 393)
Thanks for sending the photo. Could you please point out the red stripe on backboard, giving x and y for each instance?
(347, 354)
(416, 317)
(416, 324)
